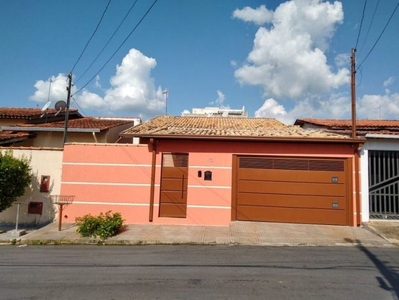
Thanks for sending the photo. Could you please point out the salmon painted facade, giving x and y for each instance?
(133, 180)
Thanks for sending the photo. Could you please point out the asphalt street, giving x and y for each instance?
(198, 272)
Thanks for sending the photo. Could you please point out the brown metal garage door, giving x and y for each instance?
(294, 190)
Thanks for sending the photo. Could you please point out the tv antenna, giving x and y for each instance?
(166, 93)
(45, 108)
(59, 106)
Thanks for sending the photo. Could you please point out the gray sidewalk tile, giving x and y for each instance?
(247, 233)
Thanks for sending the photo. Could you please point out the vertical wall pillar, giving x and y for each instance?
(152, 187)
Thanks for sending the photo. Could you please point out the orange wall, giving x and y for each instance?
(117, 177)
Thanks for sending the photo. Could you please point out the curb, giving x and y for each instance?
(94, 242)
(377, 232)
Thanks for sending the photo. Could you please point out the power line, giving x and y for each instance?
(382, 32)
(109, 40)
(95, 30)
(74, 100)
(361, 23)
(371, 23)
(361, 77)
(120, 46)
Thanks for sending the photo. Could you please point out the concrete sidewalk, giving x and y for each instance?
(237, 233)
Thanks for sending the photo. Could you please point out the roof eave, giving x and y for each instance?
(382, 136)
(51, 129)
(14, 140)
(250, 138)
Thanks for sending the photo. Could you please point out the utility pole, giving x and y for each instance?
(67, 108)
(353, 91)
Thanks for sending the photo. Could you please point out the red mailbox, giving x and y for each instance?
(45, 183)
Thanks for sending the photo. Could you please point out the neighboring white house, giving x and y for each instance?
(35, 208)
(39, 135)
(215, 112)
(379, 162)
(83, 130)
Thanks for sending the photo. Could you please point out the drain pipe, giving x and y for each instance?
(95, 137)
(152, 187)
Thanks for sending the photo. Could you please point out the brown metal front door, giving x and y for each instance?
(173, 199)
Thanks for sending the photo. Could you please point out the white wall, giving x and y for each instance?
(372, 144)
(43, 161)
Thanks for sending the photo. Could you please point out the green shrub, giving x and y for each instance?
(88, 225)
(15, 176)
(102, 226)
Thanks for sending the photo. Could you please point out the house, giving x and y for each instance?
(14, 115)
(212, 171)
(17, 115)
(87, 129)
(379, 162)
(35, 206)
(216, 112)
(38, 135)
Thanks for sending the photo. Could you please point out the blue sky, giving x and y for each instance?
(282, 59)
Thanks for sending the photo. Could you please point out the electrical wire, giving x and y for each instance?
(109, 40)
(371, 23)
(74, 100)
(120, 46)
(382, 32)
(95, 30)
(361, 77)
(361, 23)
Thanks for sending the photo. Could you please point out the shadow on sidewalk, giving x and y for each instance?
(389, 279)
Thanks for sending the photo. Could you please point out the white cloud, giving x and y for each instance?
(378, 106)
(132, 90)
(88, 100)
(336, 106)
(97, 82)
(53, 89)
(259, 16)
(287, 60)
(219, 102)
(342, 60)
(389, 81)
(271, 109)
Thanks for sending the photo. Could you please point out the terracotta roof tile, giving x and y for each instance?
(82, 123)
(6, 136)
(362, 126)
(348, 123)
(24, 113)
(222, 127)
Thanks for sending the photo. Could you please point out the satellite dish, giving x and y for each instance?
(44, 109)
(59, 106)
(46, 106)
(225, 114)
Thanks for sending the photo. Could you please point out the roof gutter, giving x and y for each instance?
(49, 129)
(382, 136)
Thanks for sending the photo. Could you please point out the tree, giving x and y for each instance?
(15, 176)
